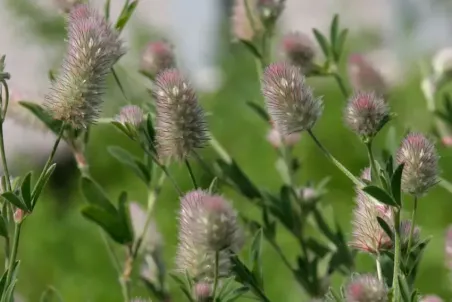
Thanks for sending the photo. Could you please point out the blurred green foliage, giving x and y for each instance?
(60, 248)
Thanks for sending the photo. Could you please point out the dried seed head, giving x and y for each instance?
(364, 77)
(431, 298)
(420, 172)
(365, 113)
(276, 140)
(298, 50)
(442, 62)
(448, 247)
(93, 48)
(207, 224)
(242, 27)
(290, 102)
(405, 227)
(157, 57)
(366, 288)
(152, 240)
(180, 123)
(202, 292)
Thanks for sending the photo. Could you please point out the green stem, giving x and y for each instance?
(445, 184)
(413, 222)
(17, 228)
(397, 248)
(4, 162)
(340, 83)
(373, 163)
(170, 177)
(216, 276)
(344, 170)
(377, 262)
(192, 176)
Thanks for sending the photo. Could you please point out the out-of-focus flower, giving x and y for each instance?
(298, 49)
(202, 292)
(420, 171)
(180, 122)
(447, 141)
(276, 140)
(290, 102)
(431, 298)
(152, 239)
(131, 117)
(448, 247)
(156, 57)
(365, 113)
(442, 63)
(405, 227)
(246, 23)
(366, 288)
(207, 225)
(66, 6)
(93, 48)
(364, 77)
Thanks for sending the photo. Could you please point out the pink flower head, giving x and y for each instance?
(420, 171)
(157, 57)
(202, 292)
(298, 50)
(366, 288)
(431, 298)
(364, 77)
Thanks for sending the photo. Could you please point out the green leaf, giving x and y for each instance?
(127, 159)
(3, 227)
(43, 116)
(334, 30)
(243, 183)
(380, 195)
(283, 170)
(25, 190)
(252, 48)
(324, 45)
(213, 187)
(259, 111)
(124, 216)
(339, 44)
(107, 9)
(108, 221)
(182, 286)
(3, 282)
(125, 15)
(15, 200)
(236, 293)
(396, 182)
(51, 295)
(256, 258)
(94, 195)
(386, 228)
(40, 185)
(8, 292)
(121, 128)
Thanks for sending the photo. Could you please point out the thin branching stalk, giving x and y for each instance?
(190, 172)
(15, 248)
(413, 222)
(2, 141)
(340, 83)
(397, 255)
(337, 163)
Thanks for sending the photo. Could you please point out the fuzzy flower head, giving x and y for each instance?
(131, 117)
(157, 57)
(405, 227)
(366, 288)
(364, 77)
(180, 125)
(207, 224)
(290, 102)
(365, 113)
(298, 50)
(420, 171)
(93, 48)
(202, 292)
(431, 298)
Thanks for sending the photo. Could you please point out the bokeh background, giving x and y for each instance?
(60, 248)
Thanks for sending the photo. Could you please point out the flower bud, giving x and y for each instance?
(131, 117)
(157, 57)
(366, 288)
(202, 292)
(365, 114)
(298, 50)
(207, 225)
(448, 247)
(246, 23)
(420, 171)
(442, 63)
(431, 298)
(290, 102)
(93, 48)
(180, 122)
(19, 215)
(276, 140)
(364, 77)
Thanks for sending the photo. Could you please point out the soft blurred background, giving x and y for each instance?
(62, 249)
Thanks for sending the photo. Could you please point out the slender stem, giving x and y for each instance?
(373, 164)
(192, 176)
(397, 247)
(377, 262)
(17, 228)
(3, 155)
(413, 222)
(118, 82)
(344, 170)
(216, 276)
(447, 185)
(5, 105)
(340, 83)
(111, 253)
(170, 177)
